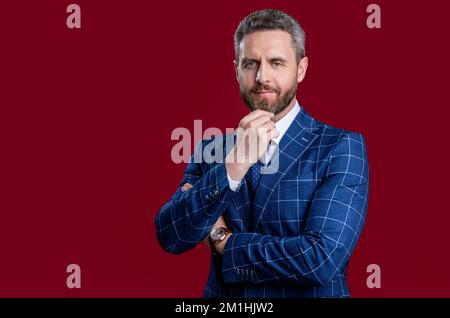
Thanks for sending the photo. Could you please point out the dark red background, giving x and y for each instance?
(86, 119)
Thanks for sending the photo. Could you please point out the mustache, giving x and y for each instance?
(264, 87)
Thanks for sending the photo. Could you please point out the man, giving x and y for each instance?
(290, 232)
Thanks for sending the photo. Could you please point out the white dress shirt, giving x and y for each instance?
(282, 126)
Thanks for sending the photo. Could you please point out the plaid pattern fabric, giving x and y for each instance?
(306, 220)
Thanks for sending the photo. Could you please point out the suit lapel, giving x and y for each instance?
(296, 140)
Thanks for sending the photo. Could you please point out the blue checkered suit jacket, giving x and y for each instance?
(307, 216)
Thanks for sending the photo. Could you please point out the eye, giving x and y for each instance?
(277, 63)
(250, 64)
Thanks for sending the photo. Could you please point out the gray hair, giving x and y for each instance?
(270, 19)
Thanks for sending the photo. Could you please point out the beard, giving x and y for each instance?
(282, 100)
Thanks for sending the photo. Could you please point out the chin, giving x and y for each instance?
(268, 108)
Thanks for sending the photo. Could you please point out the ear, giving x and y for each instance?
(236, 69)
(301, 70)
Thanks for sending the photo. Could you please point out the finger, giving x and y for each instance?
(253, 115)
(258, 112)
(273, 133)
(266, 126)
(186, 187)
(259, 121)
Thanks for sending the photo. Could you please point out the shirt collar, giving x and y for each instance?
(283, 124)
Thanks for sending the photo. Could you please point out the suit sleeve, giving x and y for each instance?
(187, 217)
(333, 226)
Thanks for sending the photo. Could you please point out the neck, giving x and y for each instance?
(283, 113)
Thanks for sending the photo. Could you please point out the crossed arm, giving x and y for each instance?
(333, 226)
(219, 223)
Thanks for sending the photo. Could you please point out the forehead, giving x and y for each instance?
(272, 42)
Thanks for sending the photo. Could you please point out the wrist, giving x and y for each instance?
(236, 169)
(220, 247)
(218, 237)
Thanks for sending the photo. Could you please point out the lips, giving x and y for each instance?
(264, 93)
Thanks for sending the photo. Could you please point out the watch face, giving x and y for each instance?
(217, 234)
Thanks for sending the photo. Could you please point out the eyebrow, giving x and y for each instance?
(278, 58)
(272, 59)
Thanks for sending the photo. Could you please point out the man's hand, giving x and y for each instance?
(219, 223)
(186, 187)
(253, 137)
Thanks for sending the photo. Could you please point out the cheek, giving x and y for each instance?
(246, 80)
(286, 81)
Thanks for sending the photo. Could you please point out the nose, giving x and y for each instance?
(261, 75)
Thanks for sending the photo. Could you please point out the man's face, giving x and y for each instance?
(268, 72)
